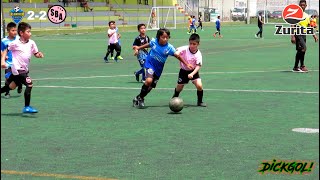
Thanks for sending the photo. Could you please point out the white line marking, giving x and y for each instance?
(129, 75)
(305, 130)
(221, 90)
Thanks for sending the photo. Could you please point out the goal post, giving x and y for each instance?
(162, 17)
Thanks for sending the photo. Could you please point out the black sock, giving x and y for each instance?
(298, 58)
(8, 90)
(176, 93)
(200, 96)
(302, 59)
(5, 89)
(27, 96)
(144, 91)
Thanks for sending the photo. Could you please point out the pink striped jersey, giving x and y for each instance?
(193, 59)
(21, 55)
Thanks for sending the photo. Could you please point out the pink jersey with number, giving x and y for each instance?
(193, 59)
(21, 55)
(114, 38)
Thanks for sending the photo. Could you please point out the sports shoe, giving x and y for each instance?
(303, 69)
(135, 102)
(140, 102)
(202, 104)
(29, 109)
(120, 58)
(105, 59)
(137, 76)
(256, 36)
(19, 90)
(7, 95)
(297, 70)
(111, 58)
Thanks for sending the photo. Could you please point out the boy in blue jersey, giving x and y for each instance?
(193, 28)
(142, 53)
(12, 33)
(159, 52)
(218, 25)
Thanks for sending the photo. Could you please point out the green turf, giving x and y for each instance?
(96, 132)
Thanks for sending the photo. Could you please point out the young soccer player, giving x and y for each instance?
(159, 52)
(119, 36)
(12, 33)
(313, 22)
(192, 55)
(22, 50)
(142, 53)
(113, 41)
(200, 22)
(193, 28)
(218, 26)
(300, 41)
(260, 25)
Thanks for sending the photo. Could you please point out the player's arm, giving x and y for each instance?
(38, 54)
(315, 37)
(110, 34)
(177, 55)
(3, 58)
(137, 48)
(190, 76)
(293, 38)
(119, 36)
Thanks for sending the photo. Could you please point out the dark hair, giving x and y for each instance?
(111, 22)
(140, 25)
(260, 12)
(194, 37)
(161, 31)
(303, 1)
(218, 17)
(23, 26)
(11, 25)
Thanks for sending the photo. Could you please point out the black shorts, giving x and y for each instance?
(149, 73)
(183, 76)
(22, 78)
(301, 41)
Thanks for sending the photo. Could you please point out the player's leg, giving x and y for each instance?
(198, 83)
(215, 34)
(26, 80)
(182, 80)
(141, 71)
(112, 48)
(118, 51)
(7, 75)
(107, 54)
(149, 84)
(304, 49)
(261, 30)
(301, 48)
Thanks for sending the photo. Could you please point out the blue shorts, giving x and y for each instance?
(7, 72)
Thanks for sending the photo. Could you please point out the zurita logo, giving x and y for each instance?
(293, 14)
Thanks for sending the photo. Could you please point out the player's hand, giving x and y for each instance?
(293, 40)
(4, 66)
(315, 38)
(135, 52)
(190, 76)
(190, 66)
(39, 55)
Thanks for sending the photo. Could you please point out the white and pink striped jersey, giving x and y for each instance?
(190, 58)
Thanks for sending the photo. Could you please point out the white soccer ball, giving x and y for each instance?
(16, 9)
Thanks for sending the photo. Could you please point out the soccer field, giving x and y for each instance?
(86, 127)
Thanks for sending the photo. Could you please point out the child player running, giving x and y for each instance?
(22, 50)
(192, 55)
(160, 49)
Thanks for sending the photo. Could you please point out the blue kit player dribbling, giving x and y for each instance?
(159, 52)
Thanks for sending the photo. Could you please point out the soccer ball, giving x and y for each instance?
(176, 104)
(16, 9)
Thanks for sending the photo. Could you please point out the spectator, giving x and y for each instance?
(85, 5)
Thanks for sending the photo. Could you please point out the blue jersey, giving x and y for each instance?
(4, 44)
(218, 23)
(139, 41)
(117, 35)
(158, 56)
(193, 22)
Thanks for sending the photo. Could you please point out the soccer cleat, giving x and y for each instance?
(29, 109)
(111, 58)
(202, 104)
(140, 102)
(7, 95)
(256, 36)
(120, 58)
(19, 90)
(137, 76)
(135, 102)
(105, 59)
(297, 70)
(304, 69)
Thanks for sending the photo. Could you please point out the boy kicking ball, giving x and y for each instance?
(192, 55)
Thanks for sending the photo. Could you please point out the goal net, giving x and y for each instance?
(162, 17)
